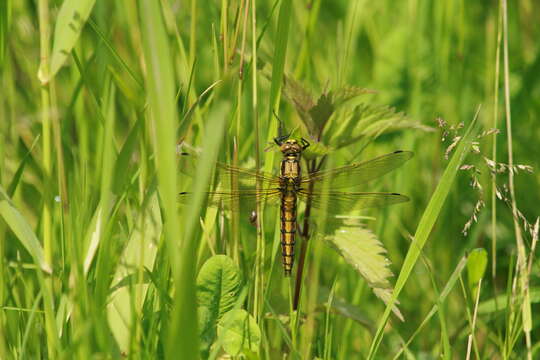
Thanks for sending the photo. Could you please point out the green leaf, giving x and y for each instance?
(218, 286)
(321, 112)
(300, 97)
(365, 253)
(476, 265)
(70, 21)
(280, 52)
(347, 93)
(238, 332)
(20, 227)
(18, 174)
(5, 12)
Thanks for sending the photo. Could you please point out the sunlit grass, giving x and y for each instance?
(99, 259)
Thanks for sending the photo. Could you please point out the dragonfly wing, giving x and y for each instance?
(337, 202)
(236, 200)
(357, 173)
(231, 177)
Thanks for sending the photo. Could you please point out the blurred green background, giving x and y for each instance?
(89, 171)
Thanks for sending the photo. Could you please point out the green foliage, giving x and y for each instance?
(99, 260)
(218, 286)
(238, 332)
(365, 253)
(71, 21)
(476, 265)
(20, 227)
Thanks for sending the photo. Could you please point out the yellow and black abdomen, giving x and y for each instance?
(288, 229)
(290, 177)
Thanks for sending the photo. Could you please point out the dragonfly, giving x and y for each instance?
(323, 188)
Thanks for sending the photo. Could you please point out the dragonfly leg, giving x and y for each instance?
(305, 143)
(280, 139)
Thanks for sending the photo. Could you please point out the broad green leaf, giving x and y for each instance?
(365, 253)
(365, 122)
(476, 265)
(238, 332)
(20, 227)
(218, 286)
(321, 112)
(69, 24)
(300, 97)
(347, 93)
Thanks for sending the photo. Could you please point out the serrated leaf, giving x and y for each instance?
(476, 265)
(365, 253)
(347, 93)
(70, 21)
(238, 332)
(218, 286)
(302, 100)
(320, 113)
(20, 227)
(363, 124)
(298, 95)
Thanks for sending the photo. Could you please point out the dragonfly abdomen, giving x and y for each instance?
(288, 229)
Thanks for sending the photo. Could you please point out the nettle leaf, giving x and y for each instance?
(320, 113)
(238, 332)
(366, 122)
(218, 287)
(365, 253)
(347, 93)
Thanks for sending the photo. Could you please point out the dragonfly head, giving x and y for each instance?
(290, 147)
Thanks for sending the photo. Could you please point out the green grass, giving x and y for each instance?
(99, 259)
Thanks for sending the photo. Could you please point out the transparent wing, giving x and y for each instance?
(357, 173)
(230, 177)
(235, 187)
(337, 201)
(236, 200)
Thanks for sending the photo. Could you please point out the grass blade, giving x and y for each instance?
(163, 113)
(425, 226)
(70, 21)
(22, 230)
